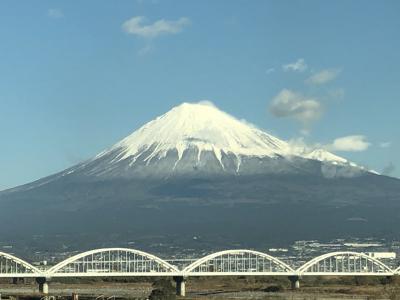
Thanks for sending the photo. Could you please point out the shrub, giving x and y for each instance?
(162, 290)
(273, 289)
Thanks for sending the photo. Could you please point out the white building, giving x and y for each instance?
(380, 255)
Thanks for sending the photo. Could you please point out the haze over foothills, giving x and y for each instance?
(75, 78)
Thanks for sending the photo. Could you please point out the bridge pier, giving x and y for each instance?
(43, 285)
(295, 282)
(180, 285)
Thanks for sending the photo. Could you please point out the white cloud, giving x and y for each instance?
(206, 103)
(55, 13)
(385, 144)
(351, 143)
(293, 105)
(136, 27)
(323, 76)
(299, 145)
(298, 66)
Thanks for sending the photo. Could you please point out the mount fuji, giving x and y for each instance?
(199, 140)
(192, 171)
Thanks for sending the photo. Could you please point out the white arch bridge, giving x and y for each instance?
(124, 262)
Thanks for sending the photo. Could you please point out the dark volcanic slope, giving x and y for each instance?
(199, 172)
(254, 210)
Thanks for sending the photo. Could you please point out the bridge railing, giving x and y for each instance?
(345, 263)
(110, 262)
(239, 262)
(12, 266)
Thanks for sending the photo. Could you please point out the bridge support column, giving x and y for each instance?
(295, 282)
(43, 285)
(180, 285)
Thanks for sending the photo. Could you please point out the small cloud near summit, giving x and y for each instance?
(199, 103)
(289, 104)
(207, 103)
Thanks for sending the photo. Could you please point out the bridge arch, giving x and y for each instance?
(344, 263)
(113, 262)
(11, 266)
(238, 262)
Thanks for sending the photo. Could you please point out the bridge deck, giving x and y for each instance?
(123, 262)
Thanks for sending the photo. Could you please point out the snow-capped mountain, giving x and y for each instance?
(198, 138)
(199, 171)
(202, 127)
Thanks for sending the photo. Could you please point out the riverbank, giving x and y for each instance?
(254, 288)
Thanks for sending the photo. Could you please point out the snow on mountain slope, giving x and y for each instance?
(206, 128)
(200, 136)
(203, 127)
(201, 140)
(323, 155)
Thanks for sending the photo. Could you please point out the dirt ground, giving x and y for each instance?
(223, 288)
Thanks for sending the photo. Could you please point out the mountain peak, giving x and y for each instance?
(204, 105)
(203, 127)
(199, 138)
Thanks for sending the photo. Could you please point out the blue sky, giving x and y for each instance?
(76, 77)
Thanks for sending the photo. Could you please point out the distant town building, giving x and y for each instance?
(278, 250)
(382, 255)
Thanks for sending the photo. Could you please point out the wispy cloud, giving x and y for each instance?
(145, 50)
(297, 66)
(147, 1)
(385, 144)
(351, 143)
(270, 71)
(136, 27)
(323, 76)
(55, 13)
(289, 104)
(389, 169)
(336, 94)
